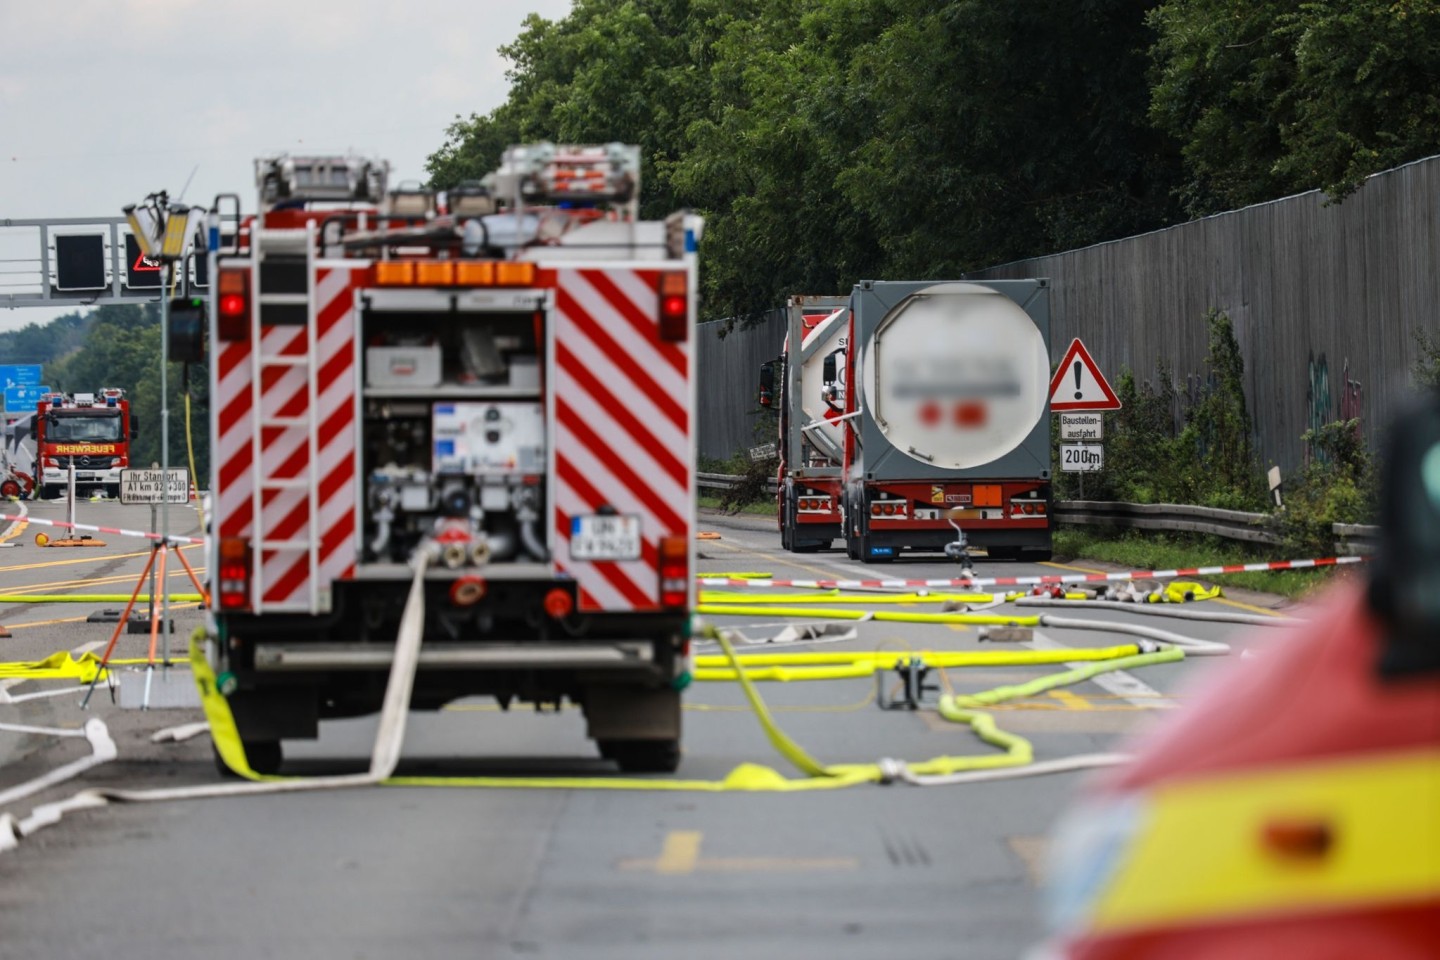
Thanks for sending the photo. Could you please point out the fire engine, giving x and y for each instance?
(910, 410)
(89, 431)
(501, 376)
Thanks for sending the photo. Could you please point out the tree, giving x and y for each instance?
(1269, 98)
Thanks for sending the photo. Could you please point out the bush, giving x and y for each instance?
(1339, 485)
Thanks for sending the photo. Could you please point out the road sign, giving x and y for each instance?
(1082, 426)
(24, 398)
(80, 262)
(140, 273)
(763, 451)
(19, 375)
(1078, 383)
(143, 486)
(1081, 457)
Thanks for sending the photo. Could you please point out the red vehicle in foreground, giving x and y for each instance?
(1293, 810)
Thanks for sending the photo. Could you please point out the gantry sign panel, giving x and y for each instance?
(82, 261)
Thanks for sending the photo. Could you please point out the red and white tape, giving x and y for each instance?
(115, 531)
(1036, 581)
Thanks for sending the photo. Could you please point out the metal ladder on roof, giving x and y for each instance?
(259, 363)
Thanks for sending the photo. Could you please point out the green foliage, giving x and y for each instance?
(1427, 367)
(1339, 485)
(1147, 550)
(1269, 97)
(831, 140)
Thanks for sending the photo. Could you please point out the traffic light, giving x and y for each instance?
(186, 333)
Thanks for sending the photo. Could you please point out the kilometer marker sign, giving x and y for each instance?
(1078, 383)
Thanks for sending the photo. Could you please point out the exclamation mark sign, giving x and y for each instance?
(1078, 394)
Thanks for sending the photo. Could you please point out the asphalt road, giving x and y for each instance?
(443, 872)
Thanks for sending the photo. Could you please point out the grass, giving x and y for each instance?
(766, 509)
(1142, 550)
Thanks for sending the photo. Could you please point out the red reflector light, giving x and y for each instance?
(234, 578)
(233, 322)
(1040, 509)
(674, 306)
(888, 509)
(674, 572)
(874, 509)
(558, 604)
(1029, 508)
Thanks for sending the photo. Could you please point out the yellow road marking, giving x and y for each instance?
(15, 531)
(1072, 701)
(680, 852)
(1070, 566)
(92, 558)
(32, 588)
(680, 856)
(47, 623)
(1247, 606)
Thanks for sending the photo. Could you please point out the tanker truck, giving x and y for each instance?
(913, 411)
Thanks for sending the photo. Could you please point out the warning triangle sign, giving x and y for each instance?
(144, 264)
(1078, 383)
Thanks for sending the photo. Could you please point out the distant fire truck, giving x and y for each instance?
(502, 378)
(89, 431)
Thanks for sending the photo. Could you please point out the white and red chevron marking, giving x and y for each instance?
(285, 448)
(621, 427)
(1039, 580)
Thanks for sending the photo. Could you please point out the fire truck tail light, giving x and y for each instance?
(234, 579)
(233, 290)
(674, 571)
(674, 306)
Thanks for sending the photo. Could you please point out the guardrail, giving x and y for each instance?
(1351, 538)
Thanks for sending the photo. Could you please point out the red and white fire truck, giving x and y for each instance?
(910, 407)
(502, 376)
(90, 432)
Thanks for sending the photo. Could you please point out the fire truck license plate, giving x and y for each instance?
(605, 538)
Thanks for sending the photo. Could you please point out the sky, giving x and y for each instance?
(105, 101)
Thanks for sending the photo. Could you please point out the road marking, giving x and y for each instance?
(1123, 684)
(1072, 701)
(680, 852)
(1248, 606)
(18, 527)
(1070, 566)
(680, 856)
(1031, 852)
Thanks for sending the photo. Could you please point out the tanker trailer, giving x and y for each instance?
(811, 438)
(945, 393)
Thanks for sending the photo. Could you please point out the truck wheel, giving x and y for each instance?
(642, 756)
(1035, 556)
(48, 491)
(112, 490)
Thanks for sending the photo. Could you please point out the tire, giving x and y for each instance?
(1036, 556)
(10, 488)
(112, 490)
(642, 756)
(1002, 553)
(48, 491)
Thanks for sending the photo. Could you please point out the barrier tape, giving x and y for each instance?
(115, 531)
(967, 582)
